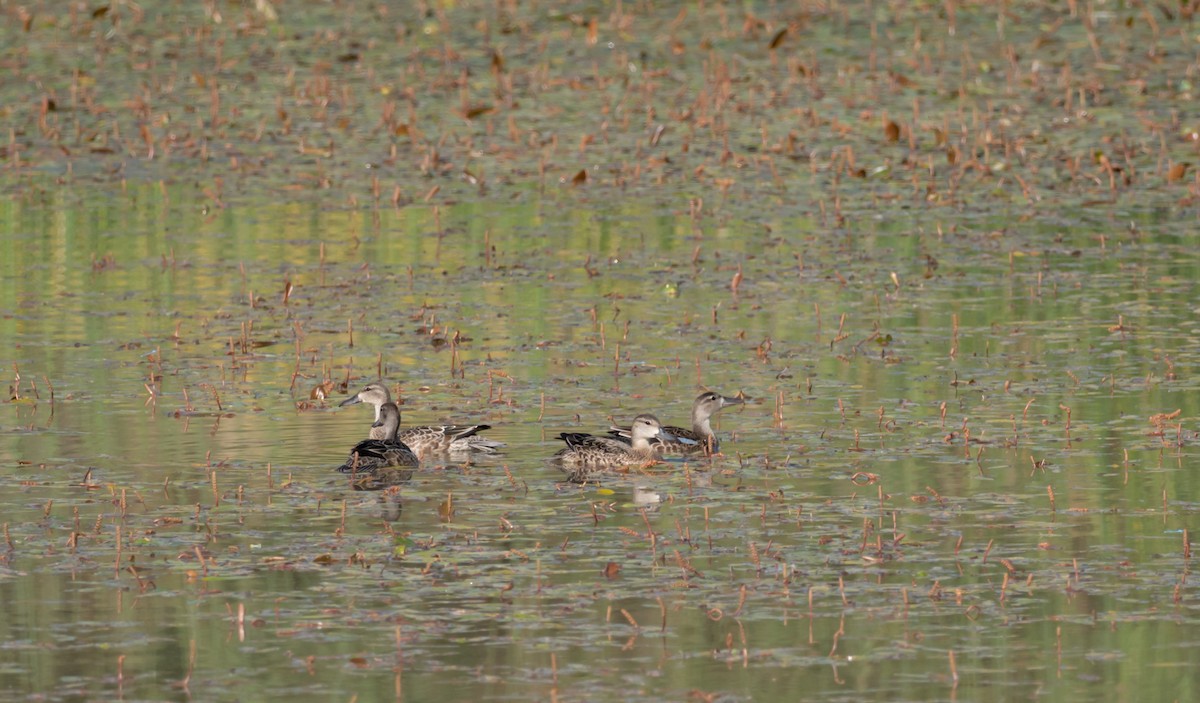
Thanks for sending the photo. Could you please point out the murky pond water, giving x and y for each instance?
(952, 272)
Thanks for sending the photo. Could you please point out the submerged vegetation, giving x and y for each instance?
(942, 251)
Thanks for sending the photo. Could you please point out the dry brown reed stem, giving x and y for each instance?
(1050, 492)
(117, 561)
(838, 635)
(629, 618)
(1058, 647)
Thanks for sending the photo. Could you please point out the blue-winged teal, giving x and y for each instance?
(587, 453)
(699, 439)
(426, 438)
(371, 455)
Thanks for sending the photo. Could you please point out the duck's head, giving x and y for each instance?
(372, 394)
(389, 419)
(646, 427)
(709, 402)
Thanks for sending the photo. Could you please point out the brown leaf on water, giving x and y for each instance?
(580, 178)
(100, 11)
(497, 61)
(321, 391)
(778, 38)
(446, 509)
(476, 110)
(359, 662)
(1177, 172)
(952, 155)
(611, 570)
(892, 131)
(1159, 420)
(323, 559)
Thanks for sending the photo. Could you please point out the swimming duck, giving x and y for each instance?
(375, 455)
(425, 438)
(587, 453)
(699, 439)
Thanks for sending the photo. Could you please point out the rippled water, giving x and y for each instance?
(850, 539)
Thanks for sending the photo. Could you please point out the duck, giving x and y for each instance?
(372, 456)
(425, 438)
(699, 439)
(586, 453)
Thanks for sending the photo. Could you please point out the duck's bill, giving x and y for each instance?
(727, 400)
(350, 401)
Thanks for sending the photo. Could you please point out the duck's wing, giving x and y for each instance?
(398, 453)
(367, 450)
(581, 441)
(426, 438)
(371, 454)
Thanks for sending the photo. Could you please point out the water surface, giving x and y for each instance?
(967, 342)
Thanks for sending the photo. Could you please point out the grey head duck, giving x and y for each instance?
(586, 453)
(373, 455)
(425, 438)
(699, 439)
